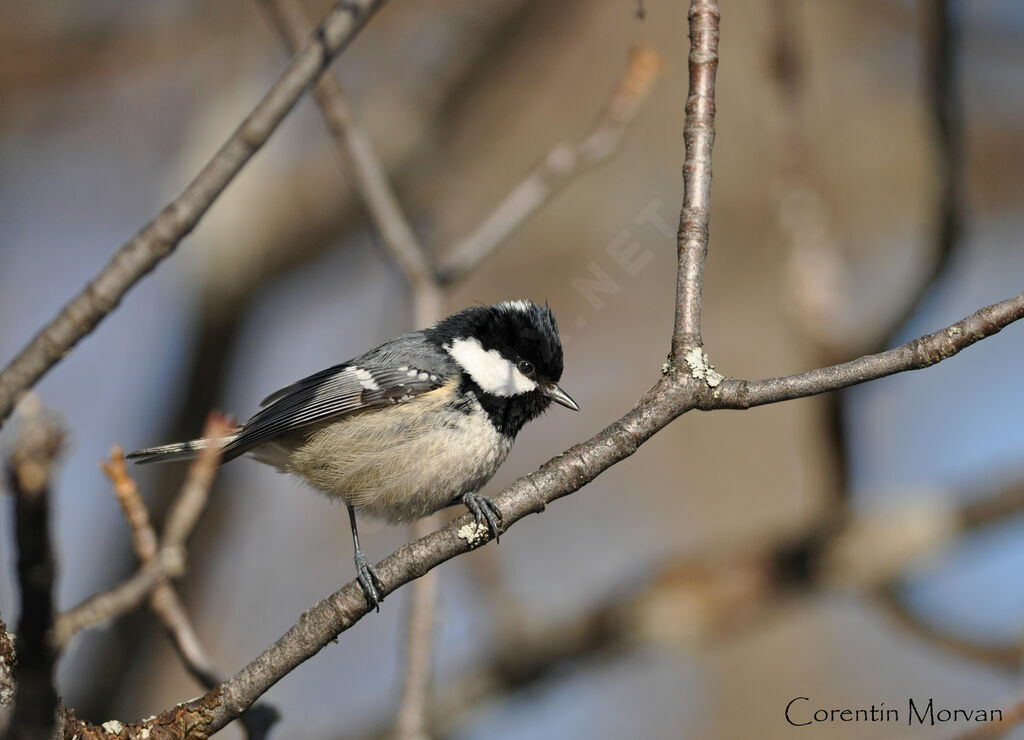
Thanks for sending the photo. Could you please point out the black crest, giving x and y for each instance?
(519, 330)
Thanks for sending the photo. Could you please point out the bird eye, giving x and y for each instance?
(526, 368)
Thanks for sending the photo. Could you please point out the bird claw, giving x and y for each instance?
(370, 581)
(483, 507)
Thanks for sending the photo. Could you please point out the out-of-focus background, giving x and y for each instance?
(817, 239)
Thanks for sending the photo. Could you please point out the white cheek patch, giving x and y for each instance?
(488, 369)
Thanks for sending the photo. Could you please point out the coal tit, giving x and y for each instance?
(417, 424)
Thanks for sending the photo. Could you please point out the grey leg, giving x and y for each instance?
(365, 572)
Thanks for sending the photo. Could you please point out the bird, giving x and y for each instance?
(416, 424)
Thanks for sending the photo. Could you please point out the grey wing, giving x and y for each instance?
(353, 386)
(412, 349)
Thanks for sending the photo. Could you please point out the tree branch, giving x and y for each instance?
(165, 603)
(169, 560)
(29, 471)
(914, 355)
(356, 150)
(121, 599)
(161, 235)
(560, 166)
(699, 136)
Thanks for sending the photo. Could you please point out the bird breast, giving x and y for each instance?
(401, 462)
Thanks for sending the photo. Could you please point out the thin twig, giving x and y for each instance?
(563, 162)
(160, 237)
(29, 470)
(121, 599)
(195, 493)
(916, 354)
(127, 492)
(169, 560)
(165, 602)
(354, 145)
(699, 136)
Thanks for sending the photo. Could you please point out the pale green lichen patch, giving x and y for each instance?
(473, 533)
(702, 369)
(113, 727)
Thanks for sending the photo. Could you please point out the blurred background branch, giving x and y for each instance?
(29, 472)
(158, 238)
(164, 601)
(816, 291)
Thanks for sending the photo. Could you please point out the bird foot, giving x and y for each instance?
(370, 581)
(483, 507)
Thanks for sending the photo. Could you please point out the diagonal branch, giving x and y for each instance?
(160, 236)
(914, 355)
(164, 601)
(121, 599)
(356, 150)
(560, 166)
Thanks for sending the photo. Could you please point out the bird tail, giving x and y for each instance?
(178, 450)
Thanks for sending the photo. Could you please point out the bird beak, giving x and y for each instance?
(559, 396)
